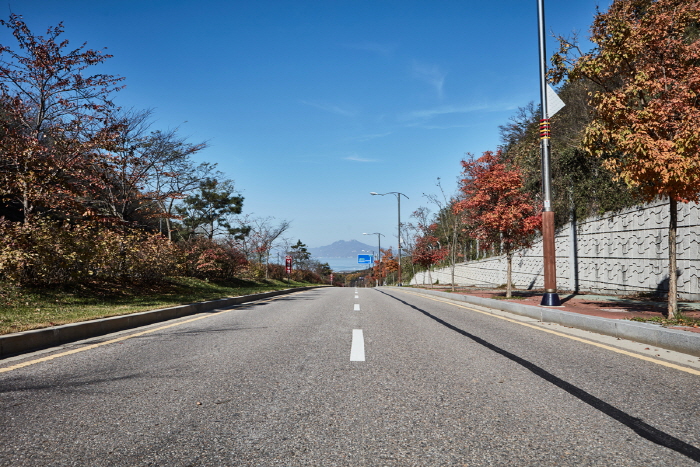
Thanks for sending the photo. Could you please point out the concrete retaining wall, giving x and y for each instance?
(614, 254)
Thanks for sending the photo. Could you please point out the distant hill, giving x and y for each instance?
(341, 249)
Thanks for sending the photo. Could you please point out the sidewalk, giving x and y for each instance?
(603, 306)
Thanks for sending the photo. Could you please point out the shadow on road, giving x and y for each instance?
(644, 430)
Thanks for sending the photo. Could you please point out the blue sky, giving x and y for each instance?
(310, 105)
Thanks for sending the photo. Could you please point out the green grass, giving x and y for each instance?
(513, 297)
(23, 309)
(678, 321)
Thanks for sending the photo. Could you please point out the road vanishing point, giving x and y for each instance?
(350, 377)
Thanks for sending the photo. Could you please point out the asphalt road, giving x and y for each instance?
(329, 377)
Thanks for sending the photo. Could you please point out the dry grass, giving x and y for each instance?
(23, 309)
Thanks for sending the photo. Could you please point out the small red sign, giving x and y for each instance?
(288, 263)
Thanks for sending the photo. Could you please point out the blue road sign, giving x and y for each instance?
(365, 259)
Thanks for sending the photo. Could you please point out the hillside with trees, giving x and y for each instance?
(92, 193)
(627, 135)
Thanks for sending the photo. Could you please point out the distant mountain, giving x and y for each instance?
(342, 249)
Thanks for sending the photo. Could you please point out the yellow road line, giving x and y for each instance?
(130, 336)
(556, 333)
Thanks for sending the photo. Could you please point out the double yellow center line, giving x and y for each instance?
(568, 336)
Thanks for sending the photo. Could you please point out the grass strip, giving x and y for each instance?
(23, 309)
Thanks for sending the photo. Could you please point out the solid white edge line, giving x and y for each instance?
(357, 350)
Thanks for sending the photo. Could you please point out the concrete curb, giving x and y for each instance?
(652, 334)
(27, 341)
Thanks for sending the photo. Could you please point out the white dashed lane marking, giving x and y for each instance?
(357, 350)
(357, 307)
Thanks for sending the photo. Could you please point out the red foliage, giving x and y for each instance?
(427, 250)
(55, 121)
(495, 208)
(209, 259)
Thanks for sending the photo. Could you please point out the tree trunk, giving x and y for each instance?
(509, 275)
(672, 277)
(26, 204)
(453, 252)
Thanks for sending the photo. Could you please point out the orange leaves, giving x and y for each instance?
(53, 129)
(648, 117)
(495, 208)
(427, 250)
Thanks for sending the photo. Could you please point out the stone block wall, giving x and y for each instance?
(619, 253)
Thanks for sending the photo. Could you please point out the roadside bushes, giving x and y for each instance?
(50, 253)
(304, 275)
(209, 259)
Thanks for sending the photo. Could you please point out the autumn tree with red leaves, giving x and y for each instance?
(427, 250)
(646, 121)
(495, 208)
(55, 121)
(389, 264)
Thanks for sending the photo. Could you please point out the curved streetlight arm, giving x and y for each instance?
(389, 193)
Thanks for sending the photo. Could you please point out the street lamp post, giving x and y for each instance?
(398, 198)
(379, 245)
(370, 251)
(550, 297)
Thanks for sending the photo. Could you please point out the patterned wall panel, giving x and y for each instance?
(622, 253)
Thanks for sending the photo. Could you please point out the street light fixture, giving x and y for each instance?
(398, 198)
(379, 245)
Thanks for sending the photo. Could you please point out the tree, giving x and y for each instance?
(447, 228)
(300, 255)
(262, 237)
(496, 208)
(389, 263)
(147, 171)
(55, 123)
(207, 211)
(581, 186)
(176, 173)
(647, 113)
(427, 250)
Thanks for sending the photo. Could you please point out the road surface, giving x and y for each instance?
(348, 377)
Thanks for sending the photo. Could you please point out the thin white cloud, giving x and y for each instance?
(330, 108)
(358, 159)
(370, 137)
(427, 114)
(437, 127)
(431, 74)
